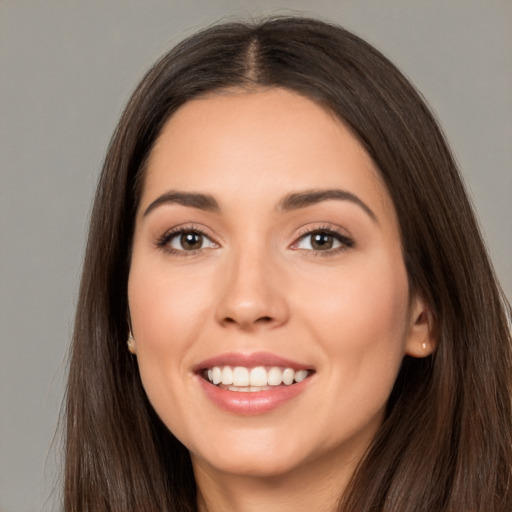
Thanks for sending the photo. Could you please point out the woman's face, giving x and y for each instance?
(266, 248)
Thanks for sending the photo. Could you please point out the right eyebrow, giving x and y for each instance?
(190, 199)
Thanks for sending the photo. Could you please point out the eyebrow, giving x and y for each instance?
(310, 197)
(192, 200)
(290, 202)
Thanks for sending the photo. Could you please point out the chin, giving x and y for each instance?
(254, 455)
(250, 465)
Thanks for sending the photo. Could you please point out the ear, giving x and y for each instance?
(132, 345)
(421, 340)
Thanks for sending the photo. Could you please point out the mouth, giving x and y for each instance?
(253, 379)
(249, 384)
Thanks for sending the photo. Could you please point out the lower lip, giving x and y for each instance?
(252, 403)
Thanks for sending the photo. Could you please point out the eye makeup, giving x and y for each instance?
(190, 239)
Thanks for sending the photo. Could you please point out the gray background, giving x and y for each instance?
(66, 70)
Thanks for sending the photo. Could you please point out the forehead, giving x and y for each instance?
(268, 141)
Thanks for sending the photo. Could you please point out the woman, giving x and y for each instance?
(281, 234)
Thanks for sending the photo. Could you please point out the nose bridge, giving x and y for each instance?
(251, 293)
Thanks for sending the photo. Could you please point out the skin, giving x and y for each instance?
(256, 284)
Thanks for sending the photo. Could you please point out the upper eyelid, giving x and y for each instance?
(187, 227)
(323, 227)
(345, 238)
(169, 234)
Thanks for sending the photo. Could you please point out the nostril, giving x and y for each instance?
(264, 319)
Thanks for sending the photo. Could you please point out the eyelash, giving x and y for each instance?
(164, 241)
(345, 241)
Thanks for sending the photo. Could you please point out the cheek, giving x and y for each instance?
(369, 301)
(164, 306)
(361, 318)
(167, 315)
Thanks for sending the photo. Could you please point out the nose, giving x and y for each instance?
(252, 293)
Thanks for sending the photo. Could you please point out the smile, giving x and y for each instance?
(256, 379)
(253, 384)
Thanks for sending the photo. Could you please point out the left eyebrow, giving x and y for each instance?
(310, 197)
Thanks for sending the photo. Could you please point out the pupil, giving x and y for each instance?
(322, 241)
(191, 241)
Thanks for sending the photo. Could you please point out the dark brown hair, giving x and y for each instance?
(446, 442)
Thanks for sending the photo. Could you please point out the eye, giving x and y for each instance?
(323, 241)
(188, 240)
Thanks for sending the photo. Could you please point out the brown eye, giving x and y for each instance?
(321, 241)
(189, 241)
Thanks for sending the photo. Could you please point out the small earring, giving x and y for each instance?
(131, 343)
(424, 346)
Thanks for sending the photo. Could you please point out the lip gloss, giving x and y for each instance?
(251, 403)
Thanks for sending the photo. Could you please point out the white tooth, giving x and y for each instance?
(288, 376)
(240, 376)
(258, 376)
(275, 376)
(300, 375)
(233, 388)
(227, 375)
(260, 388)
(244, 389)
(216, 375)
(210, 375)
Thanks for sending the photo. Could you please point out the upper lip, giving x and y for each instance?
(250, 361)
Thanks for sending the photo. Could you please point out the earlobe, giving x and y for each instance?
(131, 344)
(421, 340)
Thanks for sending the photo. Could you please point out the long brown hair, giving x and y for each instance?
(446, 442)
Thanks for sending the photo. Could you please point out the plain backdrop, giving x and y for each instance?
(66, 70)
